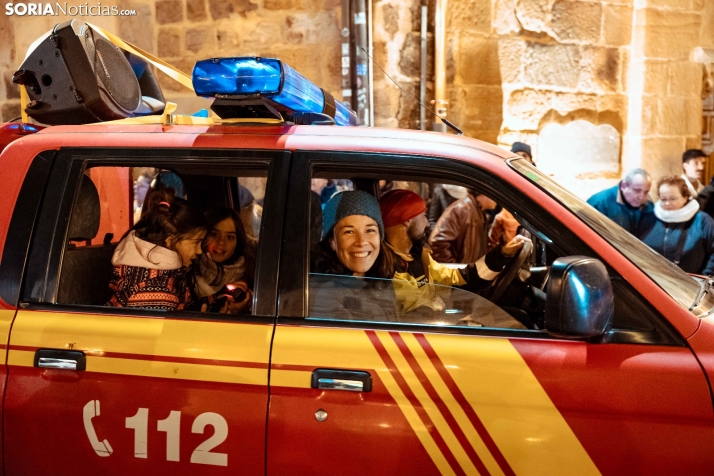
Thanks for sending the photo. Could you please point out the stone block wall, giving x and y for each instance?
(665, 84)
(397, 49)
(303, 33)
(517, 66)
(513, 66)
(520, 65)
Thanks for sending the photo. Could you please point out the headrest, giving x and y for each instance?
(84, 224)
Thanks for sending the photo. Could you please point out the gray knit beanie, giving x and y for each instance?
(348, 203)
(521, 147)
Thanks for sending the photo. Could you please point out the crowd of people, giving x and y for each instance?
(386, 240)
(178, 258)
(679, 225)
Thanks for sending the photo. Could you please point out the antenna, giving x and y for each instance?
(448, 123)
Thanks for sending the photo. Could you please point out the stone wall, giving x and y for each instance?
(303, 33)
(665, 84)
(520, 65)
(397, 49)
(514, 67)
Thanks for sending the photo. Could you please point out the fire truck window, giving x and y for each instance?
(442, 283)
(438, 281)
(110, 203)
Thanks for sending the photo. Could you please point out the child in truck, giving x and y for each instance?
(152, 262)
(225, 270)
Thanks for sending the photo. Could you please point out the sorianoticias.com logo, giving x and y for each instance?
(55, 9)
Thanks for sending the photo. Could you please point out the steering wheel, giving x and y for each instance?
(509, 274)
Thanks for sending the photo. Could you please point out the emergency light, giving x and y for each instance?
(264, 87)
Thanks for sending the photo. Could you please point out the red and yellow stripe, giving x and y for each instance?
(210, 351)
(473, 402)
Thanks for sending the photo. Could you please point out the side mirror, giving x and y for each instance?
(580, 301)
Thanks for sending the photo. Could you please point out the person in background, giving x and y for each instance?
(141, 188)
(505, 226)
(693, 162)
(461, 234)
(251, 214)
(628, 203)
(443, 196)
(405, 225)
(227, 263)
(152, 262)
(328, 191)
(524, 150)
(706, 199)
(681, 233)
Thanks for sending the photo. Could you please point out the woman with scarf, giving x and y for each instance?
(681, 233)
(226, 267)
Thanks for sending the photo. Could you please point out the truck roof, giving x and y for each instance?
(284, 137)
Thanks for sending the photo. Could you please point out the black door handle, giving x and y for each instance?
(60, 359)
(350, 380)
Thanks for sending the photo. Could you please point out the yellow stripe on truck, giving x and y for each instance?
(315, 347)
(183, 371)
(290, 378)
(426, 402)
(230, 341)
(21, 358)
(453, 406)
(415, 422)
(6, 316)
(524, 423)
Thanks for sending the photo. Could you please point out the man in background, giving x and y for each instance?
(522, 149)
(461, 233)
(693, 162)
(628, 202)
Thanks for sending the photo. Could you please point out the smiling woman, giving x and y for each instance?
(681, 233)
(352, 247)
(353, 232)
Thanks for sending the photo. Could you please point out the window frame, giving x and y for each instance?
(295, 264)
(48, 245)
(23, 224)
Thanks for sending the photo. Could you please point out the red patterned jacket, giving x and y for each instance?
(149, 276)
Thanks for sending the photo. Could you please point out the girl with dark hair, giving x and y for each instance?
(225, 271)
(152, 262)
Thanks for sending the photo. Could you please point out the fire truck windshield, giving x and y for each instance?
(684, 288)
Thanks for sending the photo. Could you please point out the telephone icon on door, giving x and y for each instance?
(91, 410)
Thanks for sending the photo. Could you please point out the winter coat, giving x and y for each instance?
(148, 276)
(706, 199)
(611, 203)
(460, 235)
(697, 255)
(440, 201)
(417, 274)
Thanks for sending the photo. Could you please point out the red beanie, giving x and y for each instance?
(400, 206)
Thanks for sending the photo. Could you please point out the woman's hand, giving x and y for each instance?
(510, 249)
(232, 307)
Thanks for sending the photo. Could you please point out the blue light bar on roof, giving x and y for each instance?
(236, 78)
